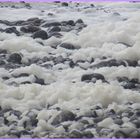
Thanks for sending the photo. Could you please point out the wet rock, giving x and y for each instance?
(131, 63)
(29, 29)
(136, 122)
(56, 34)
(28, 6)
(98, 119)
(71, 64)
(79, 21)
(63, 116)
(120, 134)
(116, 14)
(109, 63)
(70, 22)
(64, 4)
(58, 60)
(16, 113)
(75, 134)
(40, 34)
(49, 24)
(39, 81)
(126, 83)
(55, 29)
(105, 132)
(87, 134)
(15, 58)
(33, 118)
(21, 75)
(92, 5)
(90, 77)
(67, 46)
(118, 121)
(2, 62)
(12, 30)
(2, 51)
(15, 133)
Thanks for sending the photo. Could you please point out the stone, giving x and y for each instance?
(29, 29)
(40, 34)
(120, 134)
(75, 134)
(49, 24)
(55, 29)
(63, 116)
(12, 30)
(64, 4)
(109, 63)
(15, 58)
(79, 21)
(67, 46)
(39, 81)
(87, 134)
(89, 77)
(2, 51)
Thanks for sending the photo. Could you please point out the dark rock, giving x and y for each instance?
(92, 5)
(16, 113)
(12, 30)
(109, 63)
(39, 81)
(120, 134)
(29, 29)
(2, 62)
(26, 82)
(15, 133)
(55, 29)
(56, 34)
(136, 122)
(116, 14)
(79, 21)
(15, 58)
(51, 24)
(63, 116)
(98, 119)
(67, 46)
(50, 14)
(64, 4)
(33, 19)
(75, 134)
(71, 22)
(95, 76)
(2, 51)
(71, 64)
(58, 60)
(105, 132)
(28, 6)
(132, 63)
(118, 121)
(21, 75)
(33, 118)
(6, 22)
(128, 84)
(87, 134)
(40, 34)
